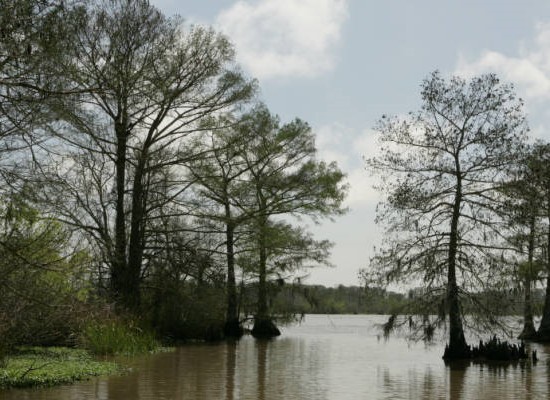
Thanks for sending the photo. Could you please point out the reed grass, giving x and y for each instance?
(115, 337)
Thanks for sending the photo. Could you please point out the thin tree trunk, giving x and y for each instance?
(119, 266)
(263, 325)
(232, 326)
(457, 347)
(135, 248)
(543, 334)
(262, 313)
(529, 331)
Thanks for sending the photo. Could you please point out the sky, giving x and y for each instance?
(341, 64)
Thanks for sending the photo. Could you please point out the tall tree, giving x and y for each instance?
(442, 169)
(33, 39)
(284, 179)
(539, 163)
(524, 208)
(245, 163)
(218, 179)
(146, 84)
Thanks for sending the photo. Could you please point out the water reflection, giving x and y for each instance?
(230, 369)
(412, 384)
(278, 369)
(519, 380)
(456, 372)
(261, 348)
(328, 357)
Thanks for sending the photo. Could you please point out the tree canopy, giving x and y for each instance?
(139, 137)
(442, 169)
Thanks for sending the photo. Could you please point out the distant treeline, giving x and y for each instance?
(318, 299)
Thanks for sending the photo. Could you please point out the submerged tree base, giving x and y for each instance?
(528, 333)
(233, 329)
(493, 350)
(542, 335)
(264, 329)
(457, 352)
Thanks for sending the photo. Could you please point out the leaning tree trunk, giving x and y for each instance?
(457, 347)
(529, 331)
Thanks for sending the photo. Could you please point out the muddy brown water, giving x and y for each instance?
(324, 357)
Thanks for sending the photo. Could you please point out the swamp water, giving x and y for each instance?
(324, 357)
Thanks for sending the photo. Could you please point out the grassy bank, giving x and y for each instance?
(40, 367)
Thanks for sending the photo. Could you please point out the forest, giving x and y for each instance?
(143, 182)
(146, 190)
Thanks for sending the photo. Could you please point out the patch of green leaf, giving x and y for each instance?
(40, 367)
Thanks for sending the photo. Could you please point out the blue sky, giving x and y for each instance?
(341, 64)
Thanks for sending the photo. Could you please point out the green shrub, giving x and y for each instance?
(186, 311)
(43, 290)
(117, 337)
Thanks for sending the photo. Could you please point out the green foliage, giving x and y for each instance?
(534, 270)
(442, 170)
(117, 337)
(180, 311)
(260, 169)
(33, 367)
(159, 81)
(40, 278)
(284, 178)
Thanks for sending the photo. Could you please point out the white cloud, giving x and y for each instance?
(529, 70)
(339, 143)
(366, 144)
(329, 140)
(355, 233)
(279, 38)
(362, 192)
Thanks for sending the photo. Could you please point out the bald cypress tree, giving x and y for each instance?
(441, 170)
(539, 164)
(284, 179)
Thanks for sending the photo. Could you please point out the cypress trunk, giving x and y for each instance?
(457, 347)
(135, 248)
(232, 326)
(119, 267)
(529, 331)
(543, 334)
(263, 325)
